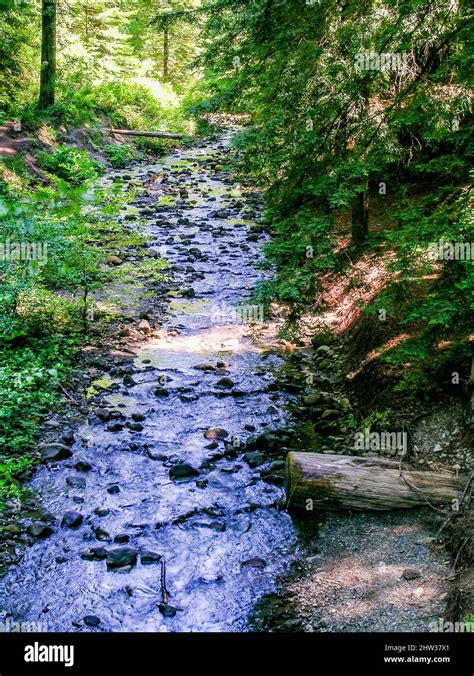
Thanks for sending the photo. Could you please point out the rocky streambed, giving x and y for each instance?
(164, 510)
(156, 515)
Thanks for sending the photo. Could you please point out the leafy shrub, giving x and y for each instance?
(118, 155)
(72, 164)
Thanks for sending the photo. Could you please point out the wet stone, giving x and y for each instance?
(72, 520)
(76, 481)
(148, 557)
(115, 427)
(82, 466)
(52, 452)
(94, 554)
(166, 610)
(68, 437)
(216, 433)
(40, 530)
(254, 458)
(182, 471)
(225, 383)
(122, 538)
(256, 562)
(123, 557)
(135, 426)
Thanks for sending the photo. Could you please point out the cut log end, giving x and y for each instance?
(316, 481)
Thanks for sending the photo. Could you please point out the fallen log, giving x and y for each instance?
(316, 481)
(153, 134)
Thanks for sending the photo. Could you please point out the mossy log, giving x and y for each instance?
(316, 481)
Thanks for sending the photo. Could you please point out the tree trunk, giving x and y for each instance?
(48, 54)
(166, 54)
(316, 481)
(152, 134)
(86, 10)
(360, 217)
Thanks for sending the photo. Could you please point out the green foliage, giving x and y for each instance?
(72, 164)
(119, 155)
(29, 379)
(44, 300)
(302, 247)
(325, 129)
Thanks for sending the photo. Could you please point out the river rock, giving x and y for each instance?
(205, 366)
(103, 414)
(94, 554)
(13, 529)
(76, 481)
(156, 455)
(135, 426)
(72, 520)
(39, 529)
(113, 260)
(83, 466)
(254, 458)
(68, 438)
(122, 538)
(187, 292)
(147, 557)
(188, 398)
(113, 489)
(329, 413)
(312, 399)
(91, 621)
(52, 452)
(167, 611)
(144, 326)
(115, 427)
(182, 471)
(216, 433)
(128, 380)
(256, 562)
(225, 383)
(123, 557)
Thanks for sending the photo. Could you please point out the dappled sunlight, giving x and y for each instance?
(345, 295)
(375, 354)
(235, 338)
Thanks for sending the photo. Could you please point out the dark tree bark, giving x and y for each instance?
(360, 217)
(48, 53)
(166, 53)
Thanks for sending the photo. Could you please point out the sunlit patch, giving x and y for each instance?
(375, 354)
(97, 385)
